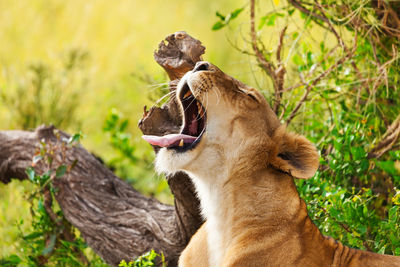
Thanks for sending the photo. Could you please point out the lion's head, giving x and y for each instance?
(228, 126)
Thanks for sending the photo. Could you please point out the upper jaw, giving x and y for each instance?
(193, 121)
(182, 82)
(193, 114)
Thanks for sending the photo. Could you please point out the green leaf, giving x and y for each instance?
(271, 20)
(123, 264)
(236, 13)
(358, 152)
(124, 124)
(36, 159)
(75, 138)
(218, 25)
(72, 165)
(12, 260)
(61, 171)
(322, 46)
(44, 178)
(262, 22)
(222, 17)
(392, 213)
(387, 166)
(297, 60)
(40, 207)
(225, 20)
(33, 235)
(382, 250)
(50, 246)
(31, 173)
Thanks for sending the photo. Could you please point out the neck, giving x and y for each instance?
(238, 206)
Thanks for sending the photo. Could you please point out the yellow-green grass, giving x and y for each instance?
(120, 37)
(13, 208)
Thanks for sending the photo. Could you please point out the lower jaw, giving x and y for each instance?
(186, 147)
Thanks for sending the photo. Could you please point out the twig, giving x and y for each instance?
(66, 228)
(302, 83)
(310, 85)
(279, 73)
(344, 226)
(276, 74)
(345, 48)
(279, 50)
(331, 28)
(383, 73)
(268, 67)
(388, 140)
(305, 10)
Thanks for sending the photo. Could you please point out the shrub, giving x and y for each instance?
(46, 95)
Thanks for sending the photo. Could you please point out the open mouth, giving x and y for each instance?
(194, 124)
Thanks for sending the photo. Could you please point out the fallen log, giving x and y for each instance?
(115, 220)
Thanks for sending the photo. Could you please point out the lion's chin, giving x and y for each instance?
(169, 161)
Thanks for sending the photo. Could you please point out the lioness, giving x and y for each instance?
(242, 162)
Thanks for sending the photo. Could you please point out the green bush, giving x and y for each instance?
(149, 259)
(344, 75)
(52, 240)
(46, 95)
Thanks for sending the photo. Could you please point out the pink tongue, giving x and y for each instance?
(168, 140)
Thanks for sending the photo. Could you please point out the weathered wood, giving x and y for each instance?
(178, 54)
(114, 219)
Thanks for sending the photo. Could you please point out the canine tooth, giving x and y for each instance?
(181, 142)
(188, 93)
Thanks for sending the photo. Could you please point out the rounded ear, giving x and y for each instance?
(294, 154)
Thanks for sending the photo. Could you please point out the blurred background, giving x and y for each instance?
(87, 67)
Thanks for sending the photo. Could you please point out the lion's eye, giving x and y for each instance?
(253, 97)
(245, 92)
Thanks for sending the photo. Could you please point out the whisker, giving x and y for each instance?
(218, 95)
(194, 99)
(157, 84)
(199, 116)
(164, 96)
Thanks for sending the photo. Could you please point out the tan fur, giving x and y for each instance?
(243, 171)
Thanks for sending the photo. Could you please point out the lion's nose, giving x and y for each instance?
(201, 65)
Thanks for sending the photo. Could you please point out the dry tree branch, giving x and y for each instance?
(279, 73)
(267, 66)
(346, 49)
(309, 86)
(302, 83)
(113, 218)
(387, 141)
(276, 73)
(300, 7)
(383, 75)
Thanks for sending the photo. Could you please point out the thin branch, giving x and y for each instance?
(322, 75)
(388, 140)
(279, 73)
(280, 45)
(267, 66)
(276, 74)
(313, 15)
(302, 83)
(345, 48)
